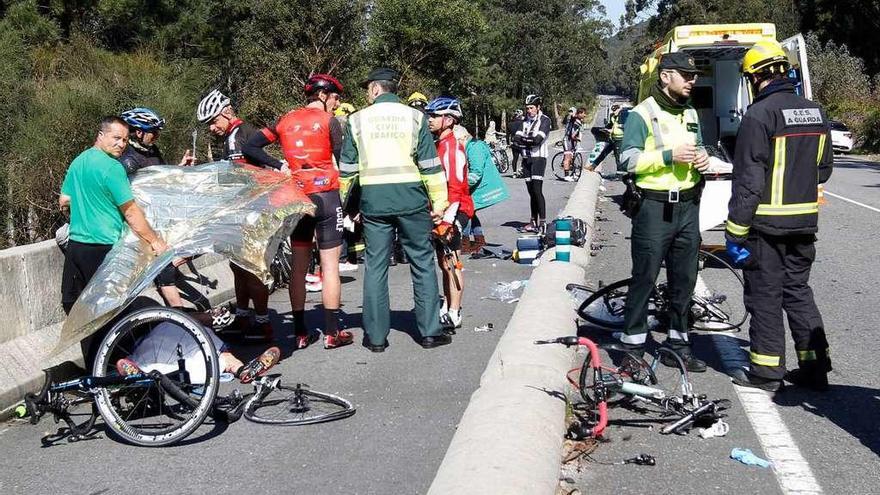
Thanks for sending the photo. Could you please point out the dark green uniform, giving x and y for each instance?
(390, 152)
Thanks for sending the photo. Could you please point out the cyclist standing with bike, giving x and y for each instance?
(571, 141)
(532, 140)
(513, 127)
(216, 111)
(773, 219)
(659, 149)
(310, 139)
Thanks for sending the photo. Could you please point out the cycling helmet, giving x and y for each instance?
(211, 106)
(533, 100)
(444, 106)
(143, 118)
(417, 100)
(518, 112)
(324, 82)
(344, 109)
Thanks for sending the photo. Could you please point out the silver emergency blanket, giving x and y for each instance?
(240, 212)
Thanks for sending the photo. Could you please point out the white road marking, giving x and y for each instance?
(863, 205)
(792, 471)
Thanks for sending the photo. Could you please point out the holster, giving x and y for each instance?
(632, 197)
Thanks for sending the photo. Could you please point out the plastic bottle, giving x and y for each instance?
(563, 239)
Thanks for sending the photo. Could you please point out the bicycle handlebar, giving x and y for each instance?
(567, 341)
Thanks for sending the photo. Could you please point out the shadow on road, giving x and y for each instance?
(852, 409)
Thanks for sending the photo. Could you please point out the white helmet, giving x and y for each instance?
(211, 106)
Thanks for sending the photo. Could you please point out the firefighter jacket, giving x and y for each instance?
(653, 129)
(388, 149)
(783, 151)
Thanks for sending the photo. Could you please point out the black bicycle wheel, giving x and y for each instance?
(169, 344)
(556, 165)
(632, 369)
(718, 295)
(502, 162)
(605, 307)
(577, 166)
(278, 404)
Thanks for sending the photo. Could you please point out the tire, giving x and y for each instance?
(556, 165)
(633, 369)
(605, 306)
(295, 406)
(144, 413)
(280, 267)
(577, 166)
(718, 297)
(502, 162)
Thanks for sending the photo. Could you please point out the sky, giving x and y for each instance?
(616, 8)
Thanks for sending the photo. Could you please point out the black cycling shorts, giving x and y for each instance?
(568, 145)
(534, 168)
(326, 225)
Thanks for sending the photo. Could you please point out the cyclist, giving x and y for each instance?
(571, 140)
(531, 138)
(144, 125)
(310, 139)
(418, 101)
(216, 111)
(443, 114)
(513, 127)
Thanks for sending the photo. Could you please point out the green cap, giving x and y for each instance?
(679, 61)
(381, 74)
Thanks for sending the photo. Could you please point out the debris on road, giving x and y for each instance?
(718, 429)
(504, 291)
(488, 327)
(747, 457)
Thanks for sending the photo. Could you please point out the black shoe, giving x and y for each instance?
(691, 363)
(747, 379)
(435, 341)
(812, 379)
(373, 347)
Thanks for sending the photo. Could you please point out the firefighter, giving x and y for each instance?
(783, 141)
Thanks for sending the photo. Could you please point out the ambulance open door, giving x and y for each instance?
(796, 49)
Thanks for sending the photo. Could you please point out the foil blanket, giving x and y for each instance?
(240, 212)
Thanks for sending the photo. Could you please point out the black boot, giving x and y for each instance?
(691, 363)
(811, 377)
(747, 379)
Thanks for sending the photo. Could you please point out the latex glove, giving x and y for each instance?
(738, 253)
(746, 456)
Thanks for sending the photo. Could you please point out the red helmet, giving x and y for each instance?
(324, 82)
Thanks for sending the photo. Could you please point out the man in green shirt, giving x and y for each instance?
(389, 151)
(98, 197)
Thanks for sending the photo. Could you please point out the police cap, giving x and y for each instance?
(679, 61)
(381, 74)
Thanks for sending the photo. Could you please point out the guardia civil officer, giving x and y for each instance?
(660, 148)
(783, 151)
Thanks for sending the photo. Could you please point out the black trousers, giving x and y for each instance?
(670, 233)
(776, 280)
(81, 261)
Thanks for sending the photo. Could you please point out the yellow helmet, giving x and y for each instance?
(417, 99)
(763, 55)
(344, 109)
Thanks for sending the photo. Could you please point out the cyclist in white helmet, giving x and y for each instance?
(216, 111)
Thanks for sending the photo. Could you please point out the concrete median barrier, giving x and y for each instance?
(510, 437)
(30, 296)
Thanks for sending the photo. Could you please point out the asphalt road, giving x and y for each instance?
(409, 401)
(836, 433)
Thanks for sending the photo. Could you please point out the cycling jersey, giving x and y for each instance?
(308, 137)
(238, 134)
(572, 134)
(533, 135)
(138, 156)
(452, 156)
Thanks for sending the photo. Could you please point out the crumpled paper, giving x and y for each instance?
(241, 212)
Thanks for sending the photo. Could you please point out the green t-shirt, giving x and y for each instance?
(97, 186)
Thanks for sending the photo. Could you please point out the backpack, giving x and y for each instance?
(579, 230)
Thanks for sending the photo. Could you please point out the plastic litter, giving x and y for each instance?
(505, 291)
(578, 295)
(718, 429)
(488, 327)
(226, 377)
(747, 457)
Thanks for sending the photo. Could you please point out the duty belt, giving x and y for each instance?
(672, 196)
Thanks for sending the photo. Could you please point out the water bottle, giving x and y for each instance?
(563, 239)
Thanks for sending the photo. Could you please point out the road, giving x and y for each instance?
(409, 401)
(825, 443)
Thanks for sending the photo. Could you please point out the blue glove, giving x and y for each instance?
(747, 457)
(738, 253)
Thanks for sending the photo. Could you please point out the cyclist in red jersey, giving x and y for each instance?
(443, 114)
(310, 139)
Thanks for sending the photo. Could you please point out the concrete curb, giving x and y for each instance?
(31, 295)
(510, 437)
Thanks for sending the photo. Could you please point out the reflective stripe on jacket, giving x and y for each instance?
(650, 136)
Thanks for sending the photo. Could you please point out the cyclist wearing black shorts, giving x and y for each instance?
(310, 139)
(571, 140)
(532, 141)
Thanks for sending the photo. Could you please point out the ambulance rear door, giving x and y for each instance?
(796, 49)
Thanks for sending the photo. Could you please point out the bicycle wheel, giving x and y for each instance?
(718, 295)
(632, 369)
(298, 405)
(502, 162)
(556, 165)
(178, 359)
(577, 166)
(605, 307)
